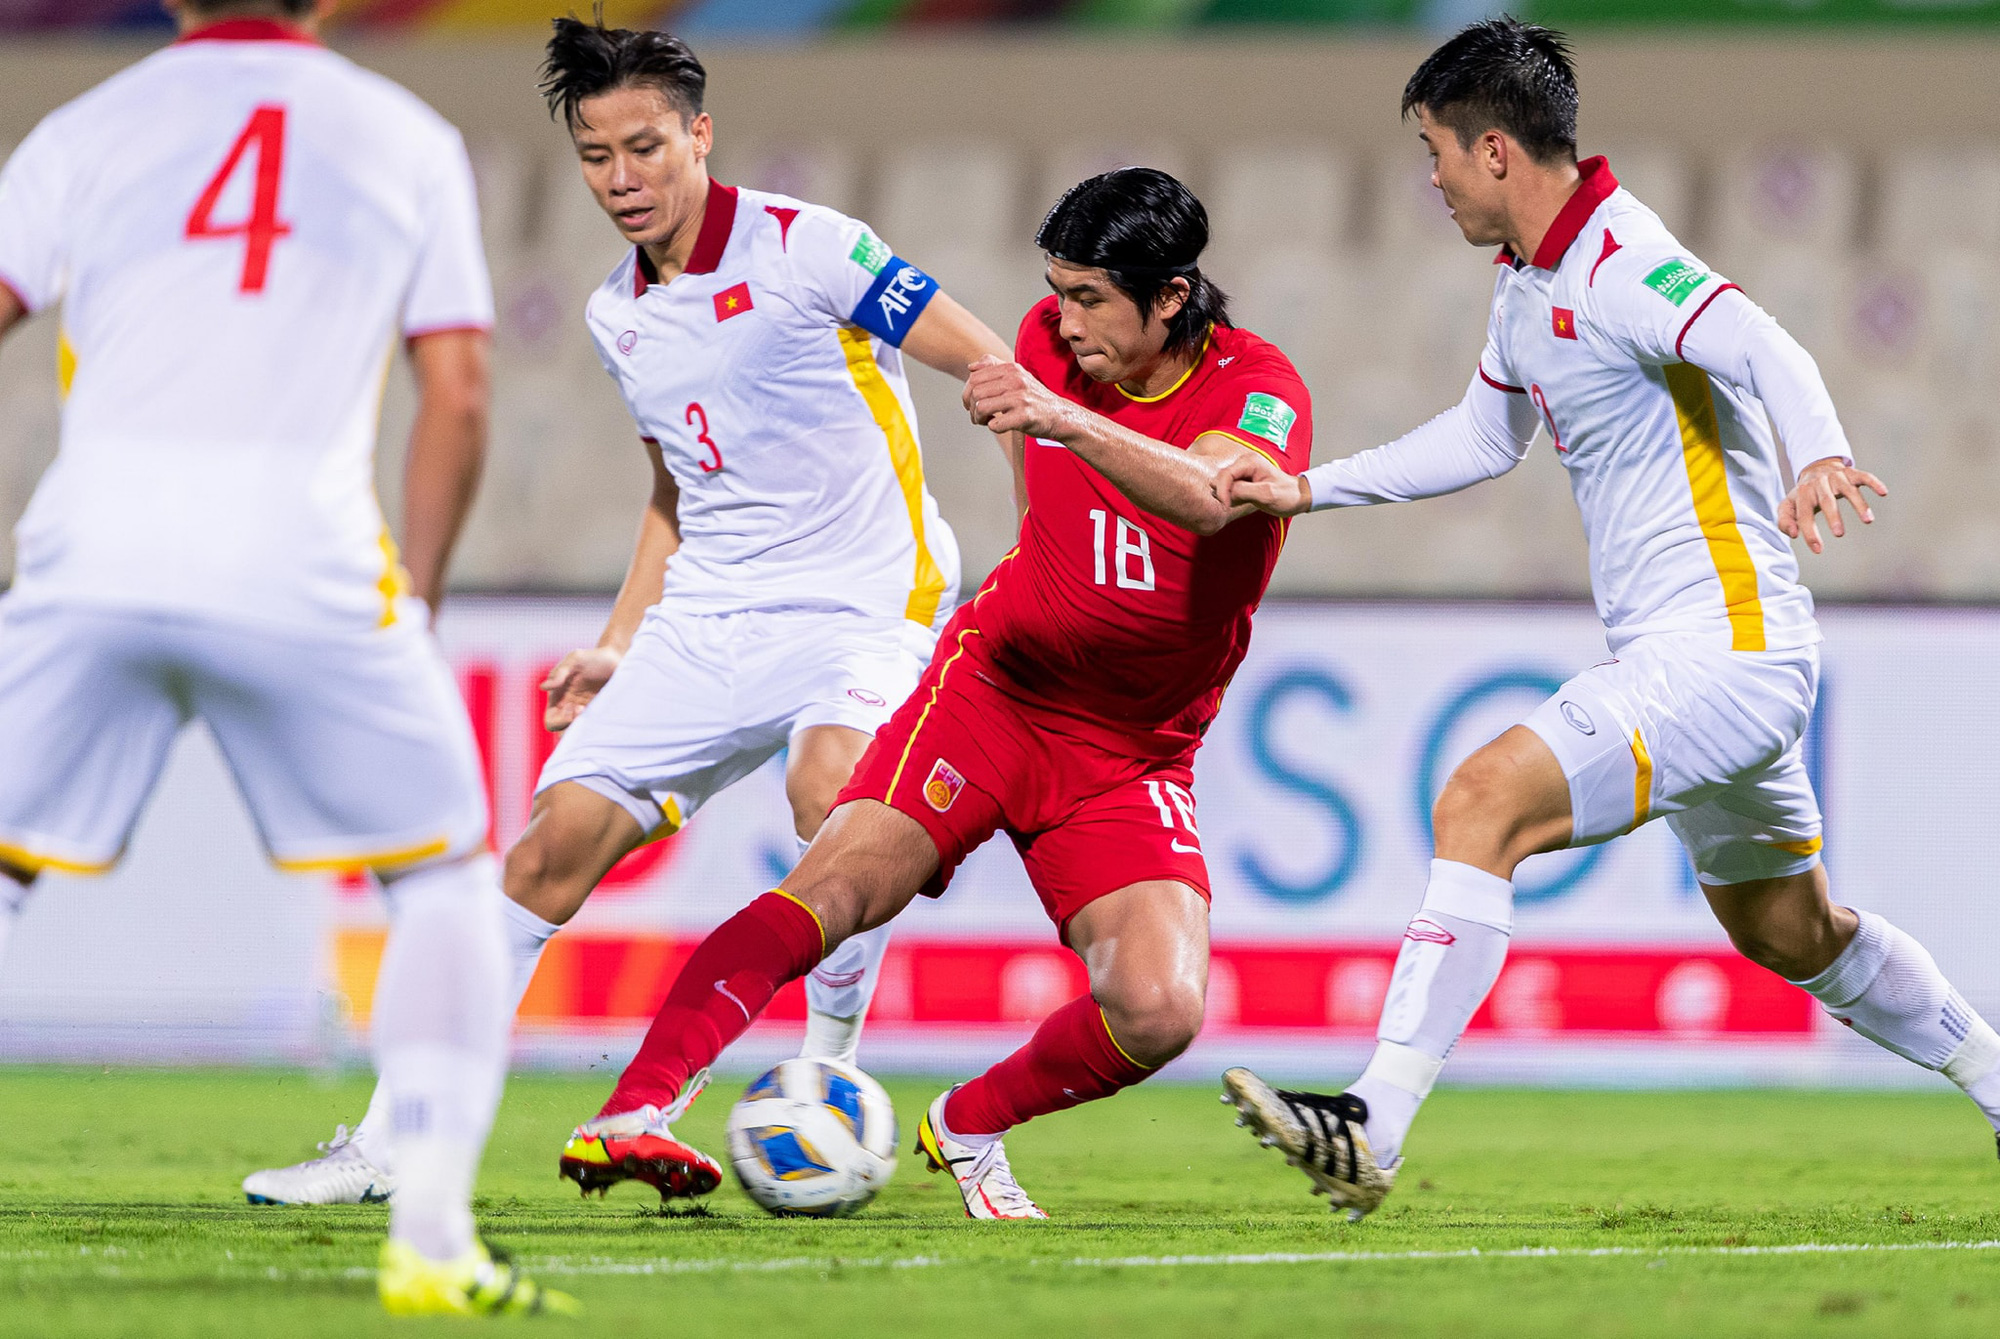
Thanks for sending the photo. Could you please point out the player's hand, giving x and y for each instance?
(574, 681)
(1251, 480)
(1820, 487)
(1002, 397)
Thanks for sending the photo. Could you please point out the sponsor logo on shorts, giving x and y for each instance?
(1578, 718)
(941, 787)
(1676, 280)
(628, 342)
(863, 695)
(1427, 931)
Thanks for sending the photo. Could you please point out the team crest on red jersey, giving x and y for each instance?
(733, 301)
(941, 787)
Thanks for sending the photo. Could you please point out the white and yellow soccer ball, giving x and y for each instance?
(814, 1138)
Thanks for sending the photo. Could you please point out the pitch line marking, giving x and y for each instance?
(600, 1265)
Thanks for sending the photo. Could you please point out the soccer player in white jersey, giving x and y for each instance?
(791, 570)
(1652, 376)
(238, 230)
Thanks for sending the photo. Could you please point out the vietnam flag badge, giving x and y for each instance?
(1565, 322)
(733, 301)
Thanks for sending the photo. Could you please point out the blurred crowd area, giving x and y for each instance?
(1851, 186)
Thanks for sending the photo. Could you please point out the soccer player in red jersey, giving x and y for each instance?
(1066, 701)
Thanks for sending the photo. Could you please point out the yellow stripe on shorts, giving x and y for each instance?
(1708, 481)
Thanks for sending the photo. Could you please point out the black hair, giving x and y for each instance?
(586, 59)
(293, 8)
(1501, 74)
(1144, 229)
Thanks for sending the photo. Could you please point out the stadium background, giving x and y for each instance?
(1840, 160)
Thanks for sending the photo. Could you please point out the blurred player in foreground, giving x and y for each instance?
(1653, 377)
(1068, 698)
(237, 229)
(791, 570)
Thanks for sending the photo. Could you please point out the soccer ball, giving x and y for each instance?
(813, 1137)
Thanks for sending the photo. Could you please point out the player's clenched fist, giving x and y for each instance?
(1250, 479)
(575, 680)
(1003, 397)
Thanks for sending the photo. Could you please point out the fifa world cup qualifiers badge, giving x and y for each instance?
(942, 786)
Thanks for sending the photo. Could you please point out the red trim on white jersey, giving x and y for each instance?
(1697, 315)
(1593, 190)
(1501, 385)
(718, 216)
(248, 30)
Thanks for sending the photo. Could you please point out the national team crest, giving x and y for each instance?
(941, 787)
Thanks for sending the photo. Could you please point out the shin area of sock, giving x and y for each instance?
(1072, 1058)
(726, 983)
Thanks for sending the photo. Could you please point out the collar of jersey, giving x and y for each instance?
(247, 30)
(1200, 354)
(1592, 190)
(717, 218)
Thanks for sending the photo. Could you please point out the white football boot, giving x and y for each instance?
(985, 1181)
(1319, 1133)
(343, 1175)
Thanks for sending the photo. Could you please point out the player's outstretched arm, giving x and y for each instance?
(951, 339)
(447, 453)
(1184, 487)
(580, 674)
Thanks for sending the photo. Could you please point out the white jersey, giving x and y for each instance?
(769, 375)
(1676, 472)
(238, 229)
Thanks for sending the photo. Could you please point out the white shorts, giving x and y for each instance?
(1708, 738)
(351, 748)
(703, 700)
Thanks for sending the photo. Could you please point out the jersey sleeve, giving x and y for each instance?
(850, 276)
(450, 289)
(1645, 297)
(34, 252)
(1267, 409)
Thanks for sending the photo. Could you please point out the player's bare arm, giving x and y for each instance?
(583, 672)
(447, 453)
(950, 339)
(1186, 487)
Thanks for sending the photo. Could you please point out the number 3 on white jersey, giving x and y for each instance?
(1134, 545)
(1181, 810)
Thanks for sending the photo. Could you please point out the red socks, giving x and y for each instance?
(1072, 1058)
(727, 983)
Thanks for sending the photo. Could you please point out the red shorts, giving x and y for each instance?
(966, 761)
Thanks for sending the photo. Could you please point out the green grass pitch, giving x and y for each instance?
(1626, 1214)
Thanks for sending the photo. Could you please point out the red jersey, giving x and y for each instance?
(1126, 625)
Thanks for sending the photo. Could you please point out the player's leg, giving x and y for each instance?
(1146, 949)
(1569, 776)
(868, 862)
(1755, 848)
(88, 714)
(822, 758)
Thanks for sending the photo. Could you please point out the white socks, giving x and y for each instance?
(1451, 956)
(1886, 986)
(441, 1026)
(527, 935)
(838, 992)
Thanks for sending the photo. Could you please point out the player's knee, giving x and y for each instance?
(1154, 1025)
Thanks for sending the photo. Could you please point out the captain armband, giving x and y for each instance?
(895, 300)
